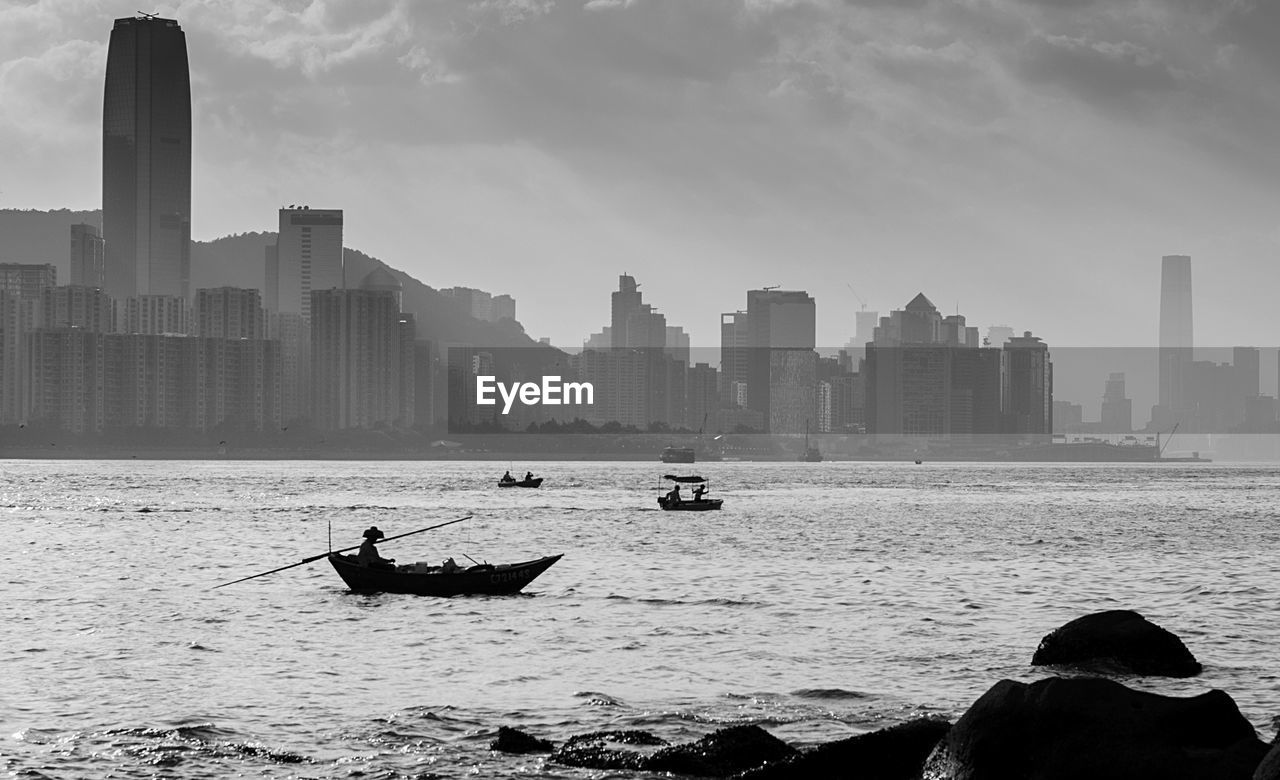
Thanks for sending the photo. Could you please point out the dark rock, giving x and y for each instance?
(596, 751)
(719, 754)
(1067, 729)
(1269, 769)
(895, 753)
(1119, 639)
(516, 741)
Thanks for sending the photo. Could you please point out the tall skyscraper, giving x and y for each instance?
(307, 256)
(1176, 341)
(87, 256)
(146, 160)
(781, 361)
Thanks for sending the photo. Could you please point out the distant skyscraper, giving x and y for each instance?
(87, 256)
(625, 302)
(307, 256)
(1027, 386)
(781, 361)
(1117, 409)
(146, 160)
(1176, 341)
(734, 338)
(77, 306)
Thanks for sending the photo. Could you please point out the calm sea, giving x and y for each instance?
(825, 600)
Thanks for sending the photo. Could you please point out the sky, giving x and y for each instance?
(1023, 162)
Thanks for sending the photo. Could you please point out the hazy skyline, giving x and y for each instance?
(1027, 161)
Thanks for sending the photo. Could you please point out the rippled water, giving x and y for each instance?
(825, 600)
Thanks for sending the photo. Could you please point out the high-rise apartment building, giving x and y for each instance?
(362, 358)
(26, 280)
(146, 160)
(77, 306)
(307, 256)
(230, 313)
(1027, 387)
(157, 314)
(87, 256)
(1176, 340)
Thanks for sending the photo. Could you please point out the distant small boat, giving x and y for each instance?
(415, 579)
(670, 504)
(678, 455)
(526, 482)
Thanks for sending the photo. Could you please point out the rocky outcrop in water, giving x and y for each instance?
(1067, 729)
(895, 753)
(1119, 640)
(516, 741)
(1269, 769)
(719, 754)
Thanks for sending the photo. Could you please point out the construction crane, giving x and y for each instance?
(855, 294)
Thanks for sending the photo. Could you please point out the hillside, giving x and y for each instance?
(29, 236)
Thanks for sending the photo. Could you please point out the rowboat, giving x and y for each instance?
(528, 483)
(670, 504)
(420, 580)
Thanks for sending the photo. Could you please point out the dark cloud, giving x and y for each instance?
(1101, 73)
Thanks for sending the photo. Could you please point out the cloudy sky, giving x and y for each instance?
(1026, 162)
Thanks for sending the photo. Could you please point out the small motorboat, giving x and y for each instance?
(423, 580)
(678, 455)
(668, 502)
(527, 482)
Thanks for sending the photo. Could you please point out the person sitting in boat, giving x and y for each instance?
(368, 555)
(698, 491)
(528, 476)
(507, 477)
(450, 566)
(674, 495)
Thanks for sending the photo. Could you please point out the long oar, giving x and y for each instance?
(345, 549)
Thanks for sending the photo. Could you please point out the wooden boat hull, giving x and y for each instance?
(489, 580)
(705, 505)
(529, 483)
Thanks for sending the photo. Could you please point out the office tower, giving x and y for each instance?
(678, 343)
(157, 314)
(781, 361)
(625, 301)
(87, 256)
(1027, 386)
(76, 306)
(864, 330)
(307, 256)
(146, 160)
(362, 345)
(1117, 408)
(230, 313)
(26, 280)
(1176, 339)
(1248, 365)
(734, 338)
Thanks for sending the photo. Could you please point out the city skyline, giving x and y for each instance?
(1001, 148)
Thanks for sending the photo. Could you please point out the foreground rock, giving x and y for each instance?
(1119, 639)
(895, 753)
(1269, 769)
(516, 741)
(1067, 729)
(719, 754)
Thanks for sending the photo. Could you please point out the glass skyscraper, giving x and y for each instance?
(146, 160)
